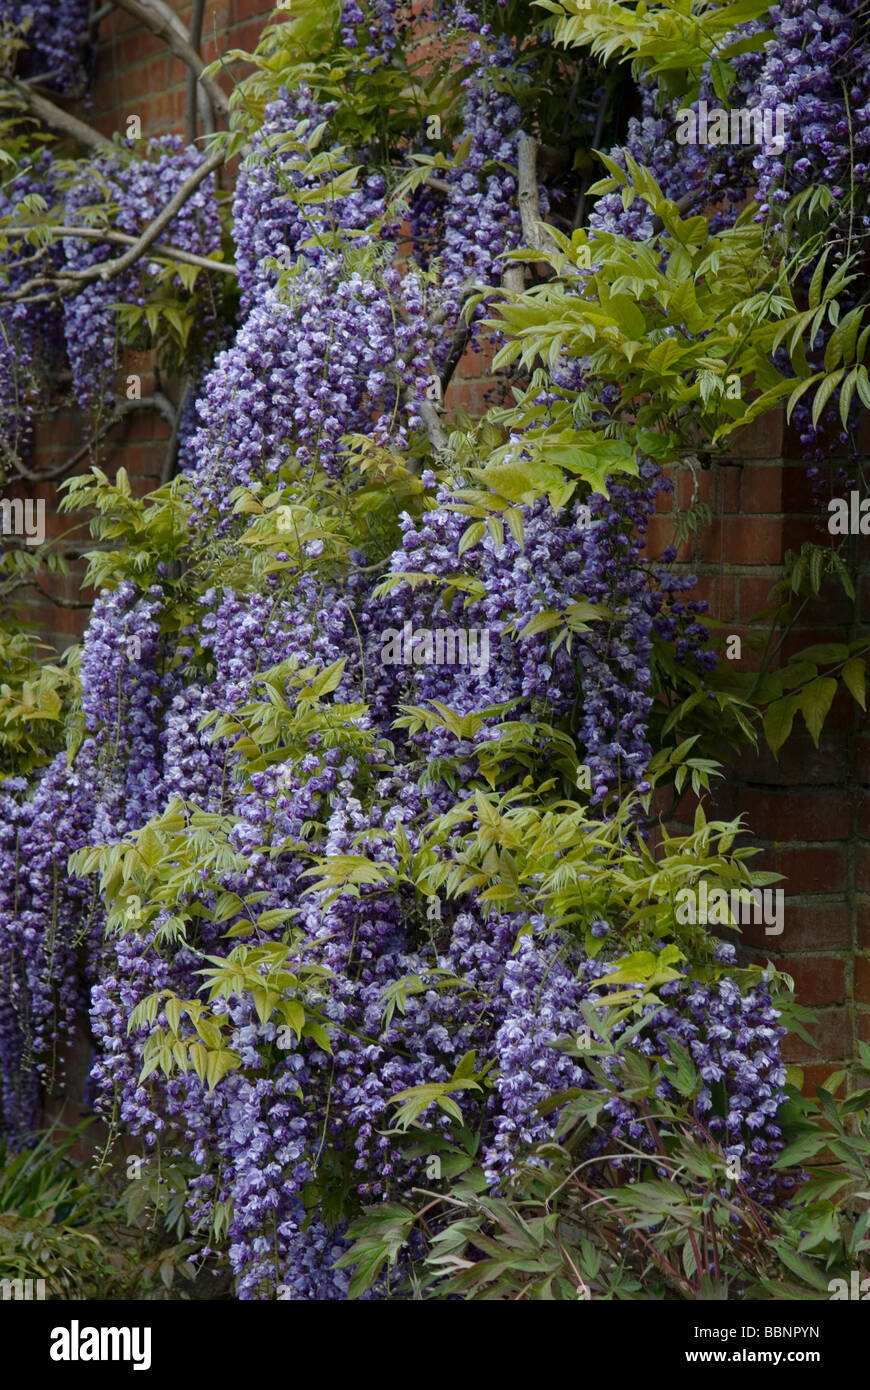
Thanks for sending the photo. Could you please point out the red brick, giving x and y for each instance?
(660, 533)
(134, 47)
(754, 591)
(762, 439)
(807, 869)
(762, 488)
(776, 815)
(730, 482)
(831, 1034)
(862, 868)
(862, 758)
(862, 979)
(799, 761)
(817, 1076)
(143, 82)
(725, 800)
(818, 979)
(720, 591)
(797, 490)
(699, 486)
(862, 925)
(244, 35)
(746, 540)
(813, 926)
(800, 530)
(861, 800)
(833, 608)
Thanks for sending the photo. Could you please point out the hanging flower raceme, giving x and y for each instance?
(31, 338)
(55, 37)
(138, 189)
(338, 335)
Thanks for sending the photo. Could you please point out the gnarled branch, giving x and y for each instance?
(157, 402)
(109, 269)
(172, 253)
(197, 98)
(162, 20)
(535, 233)
(57, 119)
(71, 281)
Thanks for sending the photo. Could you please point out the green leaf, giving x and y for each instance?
(824, 392)
(823, 653)
(470, 536)
(800, 1150)
(804, 1268)
(294, 1015)
(542, 622)
(815, 290)
(854, 675)
(723, 76)
(815, 701)
(778, 720)
(318, 1034)
(218, 1064)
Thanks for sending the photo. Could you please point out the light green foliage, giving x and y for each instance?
(673, 40)
(171, 874)
(531, 852)
(807, 683)
(555, 858)
(36, 702)
(74, 1229)
(145, 531)
(670, 321)
(570, 1227)
(37, 694)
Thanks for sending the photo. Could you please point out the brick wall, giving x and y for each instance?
(134, 74)
(810, 809)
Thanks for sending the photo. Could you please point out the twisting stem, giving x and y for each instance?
(58, 119)
(109, 269)
(157, 402)
(99, 15)
(197, 96)
(57, 599)
(73, 280)
(172, 253)
(162, 20)
(535, 234)
(171, 458)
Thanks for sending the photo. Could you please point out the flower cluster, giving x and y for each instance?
(46, 918)
(332, 350)
(335, 337)
(814, 71)
(31, 338)
(480, 220)
(56, 36)
(138, 189)
(816, 68)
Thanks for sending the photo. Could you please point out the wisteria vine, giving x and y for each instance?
(341, 329)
